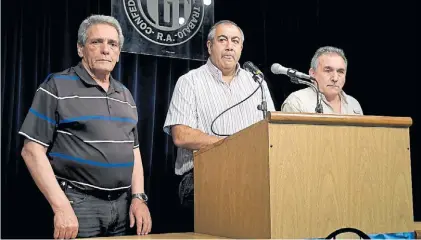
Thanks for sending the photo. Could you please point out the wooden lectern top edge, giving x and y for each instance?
(331, 119)
(325, 119)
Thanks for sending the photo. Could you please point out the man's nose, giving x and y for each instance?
(105, 48)
(229, 45)
(335, 77)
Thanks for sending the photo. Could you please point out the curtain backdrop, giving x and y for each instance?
(39, 37)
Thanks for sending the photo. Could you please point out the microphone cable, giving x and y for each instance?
(213, 122)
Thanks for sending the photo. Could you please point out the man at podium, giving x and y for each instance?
(196, 116)
(328, 67)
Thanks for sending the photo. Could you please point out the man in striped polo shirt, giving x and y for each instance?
(81, 144)
(204, 93)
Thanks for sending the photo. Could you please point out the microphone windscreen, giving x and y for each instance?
(277, 68)
(249, 66)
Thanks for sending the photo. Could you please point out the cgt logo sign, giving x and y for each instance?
(165, 22)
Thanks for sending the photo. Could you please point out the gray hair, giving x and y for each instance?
(212, 31)
(98, 19)
(327, 50)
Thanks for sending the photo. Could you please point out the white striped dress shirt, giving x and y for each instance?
(201, 95)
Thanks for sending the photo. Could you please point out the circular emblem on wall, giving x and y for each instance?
(165, 22)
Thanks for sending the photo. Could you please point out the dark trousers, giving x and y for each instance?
(100, 213)
(186, 196)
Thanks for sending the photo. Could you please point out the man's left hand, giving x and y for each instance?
(139, 214)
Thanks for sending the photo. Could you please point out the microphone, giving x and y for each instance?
(257, 74)
(277, 68)
(296, 77)
(250, 67)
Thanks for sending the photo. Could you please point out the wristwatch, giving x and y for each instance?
(141, 196)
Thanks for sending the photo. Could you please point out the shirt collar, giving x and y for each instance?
(86, 78)
(216, 73)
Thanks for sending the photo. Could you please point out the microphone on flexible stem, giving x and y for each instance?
(277, 68)
(258, 77)
(297, 78)
(255, 71)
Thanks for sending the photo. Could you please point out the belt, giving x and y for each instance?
(109, 195)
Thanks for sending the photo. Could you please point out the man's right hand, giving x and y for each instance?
(66, 225)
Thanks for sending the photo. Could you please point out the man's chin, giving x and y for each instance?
(102, 70)
(105, 67)
(332, 93)
(230, 64)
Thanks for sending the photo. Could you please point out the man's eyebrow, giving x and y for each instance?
(103, 39)
(224, 36)
(331, 68)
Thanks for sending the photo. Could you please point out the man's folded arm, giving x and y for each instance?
(190, 138)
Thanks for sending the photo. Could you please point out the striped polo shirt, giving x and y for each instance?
(201, 95)
(90, 133)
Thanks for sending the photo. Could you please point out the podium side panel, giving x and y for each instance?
(325, 177)
(232, 186)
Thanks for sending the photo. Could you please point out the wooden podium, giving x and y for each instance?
(305, 176)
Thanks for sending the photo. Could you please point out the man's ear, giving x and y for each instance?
(80, 50)
(209, 44)
(311, 72)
